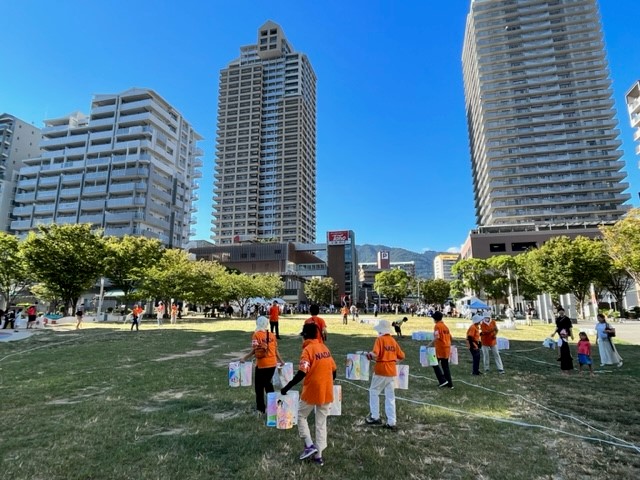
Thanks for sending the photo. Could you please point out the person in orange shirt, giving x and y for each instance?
(174, 313)
(265, 348)
(274, 317)
(321, 325)
(488, 334)
(135, 314)
(318, 369)
(442, 342)
(345, 314)
(386, 352)
(473, 342)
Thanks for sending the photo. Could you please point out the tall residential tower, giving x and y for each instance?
(130, 168)
(265, 174)
(543, 136)
(542, 127)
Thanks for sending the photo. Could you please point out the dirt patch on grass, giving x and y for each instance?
(227, 415)
(84, 394)
(190, 354)
(169, 395)
(230, 357)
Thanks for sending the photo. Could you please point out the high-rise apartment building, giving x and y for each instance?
(18, 140)
(544, 144)
(633, 108)
(265, 173)
(130, 167)
(442, 265)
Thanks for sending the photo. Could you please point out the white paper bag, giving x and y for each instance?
(428, 357)
(503, 343)
(353, 366)
(453, 355)
(234, 374)
(282, 410)
(402, 379)
(336, 405)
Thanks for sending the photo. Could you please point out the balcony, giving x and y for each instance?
(92, 204)
(47, 195)
(21, 225)
(130, 173)
(95, 219)
(101, 122)
(72, 179)
(66, 219)
(25, 197)
(44, 208)
(98, 161)
(29, 184)
(105, 147)
(68, 207)
(48, 181)
(101, 175)
(127, 202)
(69, 192)
(23, 211)
(126, 217)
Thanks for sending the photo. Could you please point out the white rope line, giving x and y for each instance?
(624, 443)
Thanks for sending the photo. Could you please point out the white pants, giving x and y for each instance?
(322, 411)
(378, 384)
(496, 357)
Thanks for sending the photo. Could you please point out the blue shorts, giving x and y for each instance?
(584, 359)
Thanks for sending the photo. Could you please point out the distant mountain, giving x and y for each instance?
(424, 261)
(368, 253)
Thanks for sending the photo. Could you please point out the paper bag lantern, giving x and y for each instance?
(428, 356)
(503, 343)
(402, 379)
(453, 355)
(336, 405)
(282, 410)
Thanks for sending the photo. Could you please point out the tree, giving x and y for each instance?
(170, 277)
(473, 273)
(622, 241)
(241, 288)
(393, 284)
(321, 290)
(564, 266)
(127, 259)
(435, 291)
(617, 282)
(67, 259)
(41, 292)
(14, 277)
(456, 288)
(206, 283)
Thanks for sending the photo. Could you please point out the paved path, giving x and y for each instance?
(629, 331)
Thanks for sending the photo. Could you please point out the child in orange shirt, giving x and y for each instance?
(345, 315)
(318, 369)
(442, 342)
(584, 352)
(473, 342)
(386, 352)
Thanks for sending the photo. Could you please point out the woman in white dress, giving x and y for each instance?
(608, 353)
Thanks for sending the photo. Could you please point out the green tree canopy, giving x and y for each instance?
(170, 277)
(127, 259)
(14, 277)
(473, 272)
(622, 241)
(321, 290)
(435, 291)
(67, 259)
(393, 284)
(563, 265)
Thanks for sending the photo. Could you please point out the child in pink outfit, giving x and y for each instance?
(584, 352)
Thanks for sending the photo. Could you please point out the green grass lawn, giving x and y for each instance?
(107, 403)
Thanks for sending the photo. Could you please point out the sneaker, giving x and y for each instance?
(369, 420)
(318, 461)
(308, 451)
(446, 382)
(501, 372)
(620, 364)
(390, 427)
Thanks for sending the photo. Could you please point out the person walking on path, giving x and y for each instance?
(136, 312)
(160, 313)
(264, 346)
(488, 335)
(564, 353)
(584, 352)
(608, 352)
(174, 313)
(442, 342)
(319, 322)
(386, 353)
(274, 319)
(78, 318)
(318, 370)
(473, 342)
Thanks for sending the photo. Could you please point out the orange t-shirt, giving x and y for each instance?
(387, 352)
(488, 331)
(269, 360)
(442, 340)
(320, 323)
(344, 311)
(474, 333)
(274, 313)
(318, 365)
(137, 310)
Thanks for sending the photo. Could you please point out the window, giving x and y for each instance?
(523, 246)
(497, 247)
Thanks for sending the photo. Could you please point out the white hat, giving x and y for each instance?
(383, 327)
(477, 318)
(262, 323)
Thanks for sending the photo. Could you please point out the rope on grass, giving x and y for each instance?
(624, 443)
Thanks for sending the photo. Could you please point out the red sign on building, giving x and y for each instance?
(340, 237)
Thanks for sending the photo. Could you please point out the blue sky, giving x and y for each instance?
(393, 158)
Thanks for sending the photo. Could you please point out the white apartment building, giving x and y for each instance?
(543, 136)
(130, 168)
(18, 140)
(265, 172)
(442, 265)
(633, 108)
